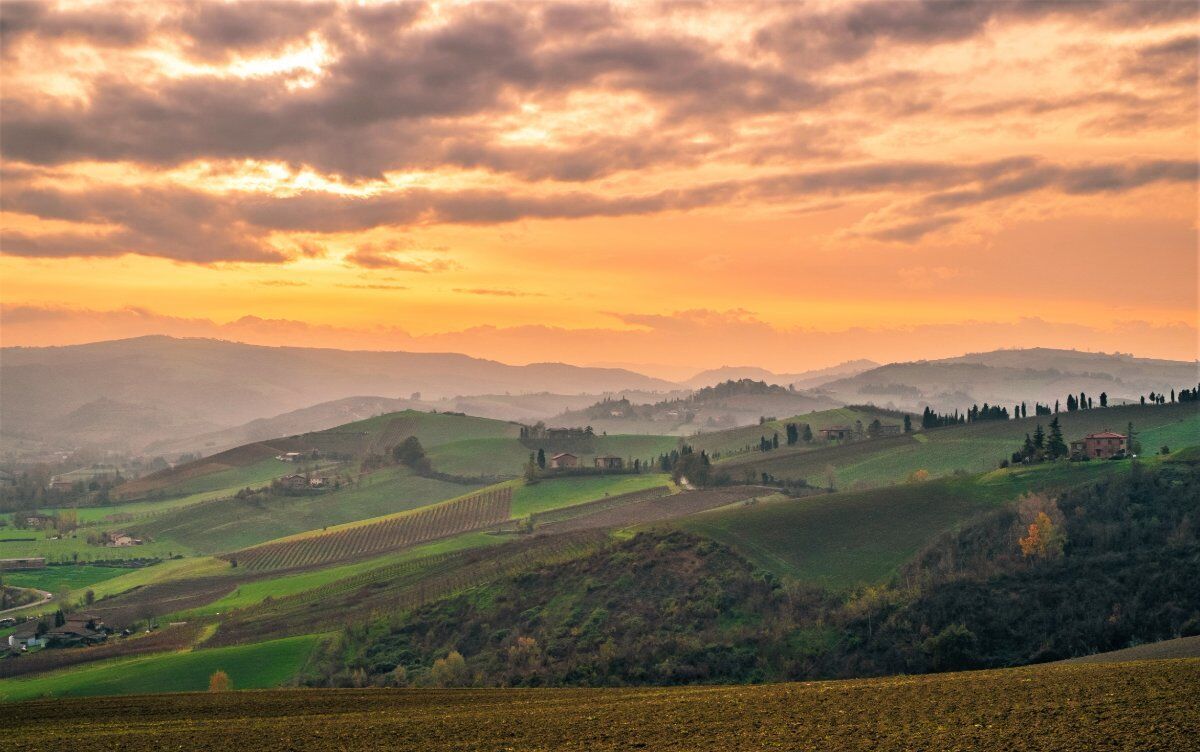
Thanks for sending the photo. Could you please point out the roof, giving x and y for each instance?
(564, 454)
(1105, 435)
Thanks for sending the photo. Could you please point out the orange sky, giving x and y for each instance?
(670, 186)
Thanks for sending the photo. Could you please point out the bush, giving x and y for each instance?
(219, 682)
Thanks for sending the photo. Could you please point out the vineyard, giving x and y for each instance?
(398, 587)
(599, 505)
(463, 515)
(655, 508)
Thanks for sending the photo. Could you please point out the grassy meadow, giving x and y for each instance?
(847, 539)
(265, 664)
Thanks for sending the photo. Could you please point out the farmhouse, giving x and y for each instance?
(294, 482)
(836, 433)
(36, 519)
(319, 481)
(609, 462)
(120, 539)
(889, 429)
(564, 459)
(290, 457)
(79, 629)
(1100, 445)
(26, 636)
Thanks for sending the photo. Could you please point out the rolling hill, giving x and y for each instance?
(802, 380)
(974, 447)
(1007, 377)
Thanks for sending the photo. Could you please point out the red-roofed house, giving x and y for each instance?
(1100, 445)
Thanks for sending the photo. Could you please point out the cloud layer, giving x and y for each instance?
(522, 167)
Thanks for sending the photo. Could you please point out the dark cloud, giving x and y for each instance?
(217, 30)
(400, 99)
(193, 226)
(173, 223)
(855, 30)
(115, 26)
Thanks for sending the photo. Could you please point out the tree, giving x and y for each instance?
(1135, 446)
(807, 434)
(1103, 399)
(531, 469)
(1044, 540)
(1055, 444)
(874, 428)
(951, 649)
(411, 454)
(541, 458)
(89, 597)
(1039, 437)
(907, 423)
(793, 434)
(219, 682)
(450, 671)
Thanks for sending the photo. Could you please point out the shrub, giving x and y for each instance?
(219, 682)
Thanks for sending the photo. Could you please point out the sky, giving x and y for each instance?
(666, 186)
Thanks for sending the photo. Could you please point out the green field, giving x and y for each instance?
(854, 538)
(740, 441)
(264, 664)
(1125, 706)
(230, 524)
(256, 474)
(76, 548)
(974, 447)
(507, 456)
(433, 429)
(562, 492)
(58, 579)
(492, 456)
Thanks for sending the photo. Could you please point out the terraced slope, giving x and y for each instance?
(1151, 705)
(475, 512)
(390, 589)
(229, 523)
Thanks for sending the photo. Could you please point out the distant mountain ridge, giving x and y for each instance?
(1006, 377)
(214, 384)
(802, 380)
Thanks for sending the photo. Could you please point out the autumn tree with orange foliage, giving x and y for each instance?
(1044, 540)
(219, 682)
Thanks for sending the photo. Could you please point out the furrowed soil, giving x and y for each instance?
(1144, 706)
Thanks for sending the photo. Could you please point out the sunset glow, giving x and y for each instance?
(800, 183)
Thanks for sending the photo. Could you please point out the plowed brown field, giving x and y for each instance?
(1143, 706)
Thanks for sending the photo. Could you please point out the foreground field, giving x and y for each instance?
(1145, 706)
